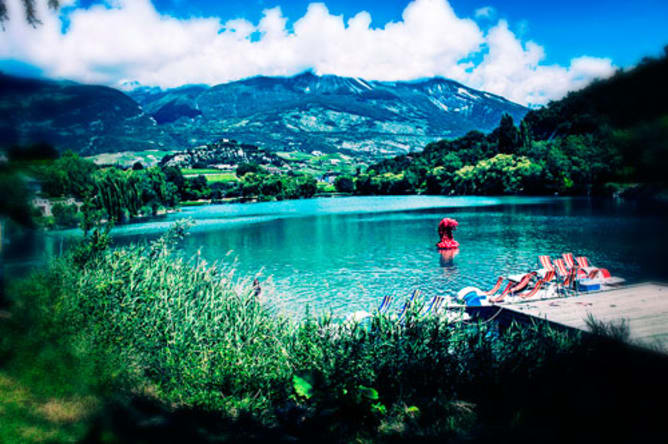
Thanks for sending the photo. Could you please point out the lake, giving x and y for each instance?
(344, 254)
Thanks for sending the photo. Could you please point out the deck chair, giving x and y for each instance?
(592, 271)
(534, 290)
(385, 303)
(570, 278)
(549, 276)
(570, 264)
(546, 262)
(514, 288)
(434, 305)
(464, 293)
(407, 305)
(495, 288)
(567, 276)
(503, 294)
(560, 268)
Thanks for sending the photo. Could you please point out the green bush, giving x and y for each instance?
(344, 184)
(502, 174)
(66, 215)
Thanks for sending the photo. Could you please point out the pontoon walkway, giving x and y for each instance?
(644, 308)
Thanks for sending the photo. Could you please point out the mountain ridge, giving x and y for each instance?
(305, 112)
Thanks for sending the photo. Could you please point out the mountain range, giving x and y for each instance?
(305, 112)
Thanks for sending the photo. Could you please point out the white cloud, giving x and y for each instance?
(129, 41)
(513, 69)
(486, 12)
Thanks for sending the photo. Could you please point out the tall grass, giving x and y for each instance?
(142, 321)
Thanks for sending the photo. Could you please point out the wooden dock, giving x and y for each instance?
(644, 308)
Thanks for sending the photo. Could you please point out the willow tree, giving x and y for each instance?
(29, 9)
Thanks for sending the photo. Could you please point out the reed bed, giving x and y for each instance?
(142, 321)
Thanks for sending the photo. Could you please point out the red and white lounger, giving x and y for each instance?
(546, 265)
(596, 273)
(520, 291)
(570, 264)
(567, 276)
(514, 288)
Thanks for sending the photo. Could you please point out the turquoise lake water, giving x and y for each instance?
(344, 254)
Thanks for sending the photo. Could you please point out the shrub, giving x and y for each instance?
(344, 184)
(66, 215)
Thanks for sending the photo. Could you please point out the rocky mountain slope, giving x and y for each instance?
(84, 118)
(328, 113)
(303, 113)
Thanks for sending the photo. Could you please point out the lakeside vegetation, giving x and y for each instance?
(598, 140)
(131, 343)
(79, 192)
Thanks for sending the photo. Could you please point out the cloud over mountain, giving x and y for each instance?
(129, 41)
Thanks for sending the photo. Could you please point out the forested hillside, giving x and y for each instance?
(613, 132)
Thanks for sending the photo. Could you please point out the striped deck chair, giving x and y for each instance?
(568, 259)
(434, 305)
(504, 293)
(549, 276)
(407, 305)
(567, 276)
(385, 303)
(570, 264)
(569, 279)
(546, 262)
(560, 268)
(515, 288)
(496, 287)
(437, 304)
(535, 289)
(591, 270)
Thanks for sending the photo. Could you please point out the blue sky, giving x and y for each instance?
(528, 51)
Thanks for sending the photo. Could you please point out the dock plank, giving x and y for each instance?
(643, 306)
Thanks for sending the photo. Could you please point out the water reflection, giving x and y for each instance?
(346, 261)
(447, 257)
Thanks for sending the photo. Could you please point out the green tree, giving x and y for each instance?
(196, 188)
(307, 186)
(272, 185)
(363, 184)
(344, 184)
(250, 184)
(248, 167)
(501, 174)
(508, 135)
(69, 175)
(174, 176)
(113, 193)
(66, 215)
(524, 135)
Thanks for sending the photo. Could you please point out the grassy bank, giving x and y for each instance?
(138, 344)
